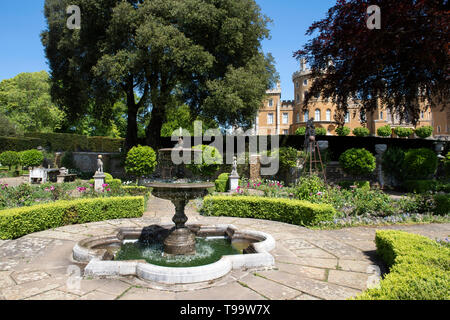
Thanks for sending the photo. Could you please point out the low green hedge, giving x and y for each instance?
(17, 222)
(296, 212)
(419, 268)
(222, 182)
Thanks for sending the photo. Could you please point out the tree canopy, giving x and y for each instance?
(205, 53)
(26, 105)
(400, 66)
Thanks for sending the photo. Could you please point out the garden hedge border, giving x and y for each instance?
(17, 222)
(297, 212)
(419, 268)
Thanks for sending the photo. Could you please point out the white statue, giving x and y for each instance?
(99, 164)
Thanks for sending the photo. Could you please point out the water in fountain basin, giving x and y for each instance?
(209, 250)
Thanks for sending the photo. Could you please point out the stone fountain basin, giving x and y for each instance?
(100, 261)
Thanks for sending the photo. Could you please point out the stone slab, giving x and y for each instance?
(270, 289)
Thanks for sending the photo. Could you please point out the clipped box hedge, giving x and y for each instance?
(419, 268)
(297, 212)
(17, 222)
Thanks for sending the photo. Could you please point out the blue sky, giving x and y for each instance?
(21, 23)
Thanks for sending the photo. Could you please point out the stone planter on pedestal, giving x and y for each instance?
(255, 167)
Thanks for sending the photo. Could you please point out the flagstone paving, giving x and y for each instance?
(310, 264)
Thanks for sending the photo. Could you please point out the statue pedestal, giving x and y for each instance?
(234, 182)
(99, 181)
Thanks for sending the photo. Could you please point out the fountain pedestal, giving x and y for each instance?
(181, 240)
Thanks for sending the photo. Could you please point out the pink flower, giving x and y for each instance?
(109, 189)
(105, 185)
(91, 185)
(52, 188)
(47, 189)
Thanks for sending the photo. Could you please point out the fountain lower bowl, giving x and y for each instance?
(99, 254)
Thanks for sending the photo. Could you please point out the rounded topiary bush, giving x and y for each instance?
(31, 158)
(211, 161)
(10, 159)
(343, 131)
(140, 161)
(385, 131)
(403, 132)
(300, 131)
(358, 162)
(321, 131)
(424, 132)
(361, 132)
(420, 163)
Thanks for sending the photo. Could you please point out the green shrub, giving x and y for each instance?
(424, 132)
(441, 204)
(447, 164)
(420, 186)
(288, 157)
(309, 186)
(295, 212)
(31, 158)
(140, 161)
(10, 159)
(403, 132)
(419, 163)
(392, 162)
(358, 161)
(343, 131)
(385, 131)
(222, 182)
(300, 131)
(136, 190)
(67, 160)
(17, 222)
(419, 268)
(361, 132)
(211, 161)
(321, 131)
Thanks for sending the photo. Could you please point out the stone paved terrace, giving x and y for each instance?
(310, 265)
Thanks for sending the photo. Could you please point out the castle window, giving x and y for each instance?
(305, 83)
(317, 115)
(328, 115)
(381, 115)
(286, 132)
(270, 118)
(422, 115)
(347, 117)
(306, 116)
(298, 98)
(296, 84)
(298, 117)
(270, 102)
(285, 118)
(439, 129)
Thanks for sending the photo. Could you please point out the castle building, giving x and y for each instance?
(278, 117)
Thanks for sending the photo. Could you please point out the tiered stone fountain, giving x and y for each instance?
(104, 255)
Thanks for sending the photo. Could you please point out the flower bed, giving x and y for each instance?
(419, 268)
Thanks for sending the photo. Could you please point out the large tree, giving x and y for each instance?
(25, 101)
(400, 66)
(157, 48)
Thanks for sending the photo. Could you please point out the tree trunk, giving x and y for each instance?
(153, 131)
(131, 138)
